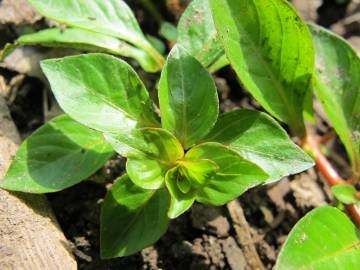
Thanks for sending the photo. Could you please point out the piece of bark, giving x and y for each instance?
(243, 232)
(30, 237)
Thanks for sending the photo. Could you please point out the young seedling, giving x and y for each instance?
(188, 155)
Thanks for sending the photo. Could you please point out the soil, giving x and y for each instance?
(204, 237)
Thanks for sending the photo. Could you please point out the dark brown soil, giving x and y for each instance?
(203, 238)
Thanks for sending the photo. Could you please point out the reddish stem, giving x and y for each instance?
(330, 174)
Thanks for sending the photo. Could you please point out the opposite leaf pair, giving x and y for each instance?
(193, 154)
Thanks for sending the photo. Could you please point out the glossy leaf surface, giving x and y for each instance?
(188, 98)
(154, 143)
(180, 201)
(110, 17)
(325, 239)
(234, 176)
(56, 156)
(86, 40)
(100, 91)
(271, 50)
(258, 138)
(132, 218)
(197, 33)
(337, 83)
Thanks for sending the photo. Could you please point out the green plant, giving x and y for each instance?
(272, 52)
(191, 153)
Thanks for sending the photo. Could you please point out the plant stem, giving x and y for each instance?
(330, 174)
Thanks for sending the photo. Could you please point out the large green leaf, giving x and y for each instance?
(258, 138)
(100, 91)
(110, 17)
(132, 218)
(84, 40)
(234, 176)
(188, 97)
(325, 239)
(337, 83)
(197, 33)
(271, 50)
(56, 156)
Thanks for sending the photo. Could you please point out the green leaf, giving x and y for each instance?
(180, 200)
(100, 91)
(146, 173)
(58, 155)
(258, 138)
(325, 239)
(154, 143)
(234, 177)
(197, 33)
(132, 218)
(345, 194)
(198, 172)
(151, 154)
(271, 50)
(111, 17)
(86, 40)
(188, 98)
(168, 31)
(337, 84)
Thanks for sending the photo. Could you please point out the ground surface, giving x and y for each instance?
(205, 237)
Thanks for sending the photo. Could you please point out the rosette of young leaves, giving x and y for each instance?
(197, 33)
(337, 84)
(56, 156)
(324, 239)
(110, 18)
(271, 50)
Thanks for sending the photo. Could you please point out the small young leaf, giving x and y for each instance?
(146, 173)
(271, 50)
(234, 177)
(180, 201)
(337, 83)
(154, 143)
(198, 171)
(111, 17)
(150, 152)
(188, 98)
(324, 239)
(258, 138)
(56, 156)
(345, 194)
(197, 33)
(86, 40)
(132, 218)
(168, 31)
(101, 92)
